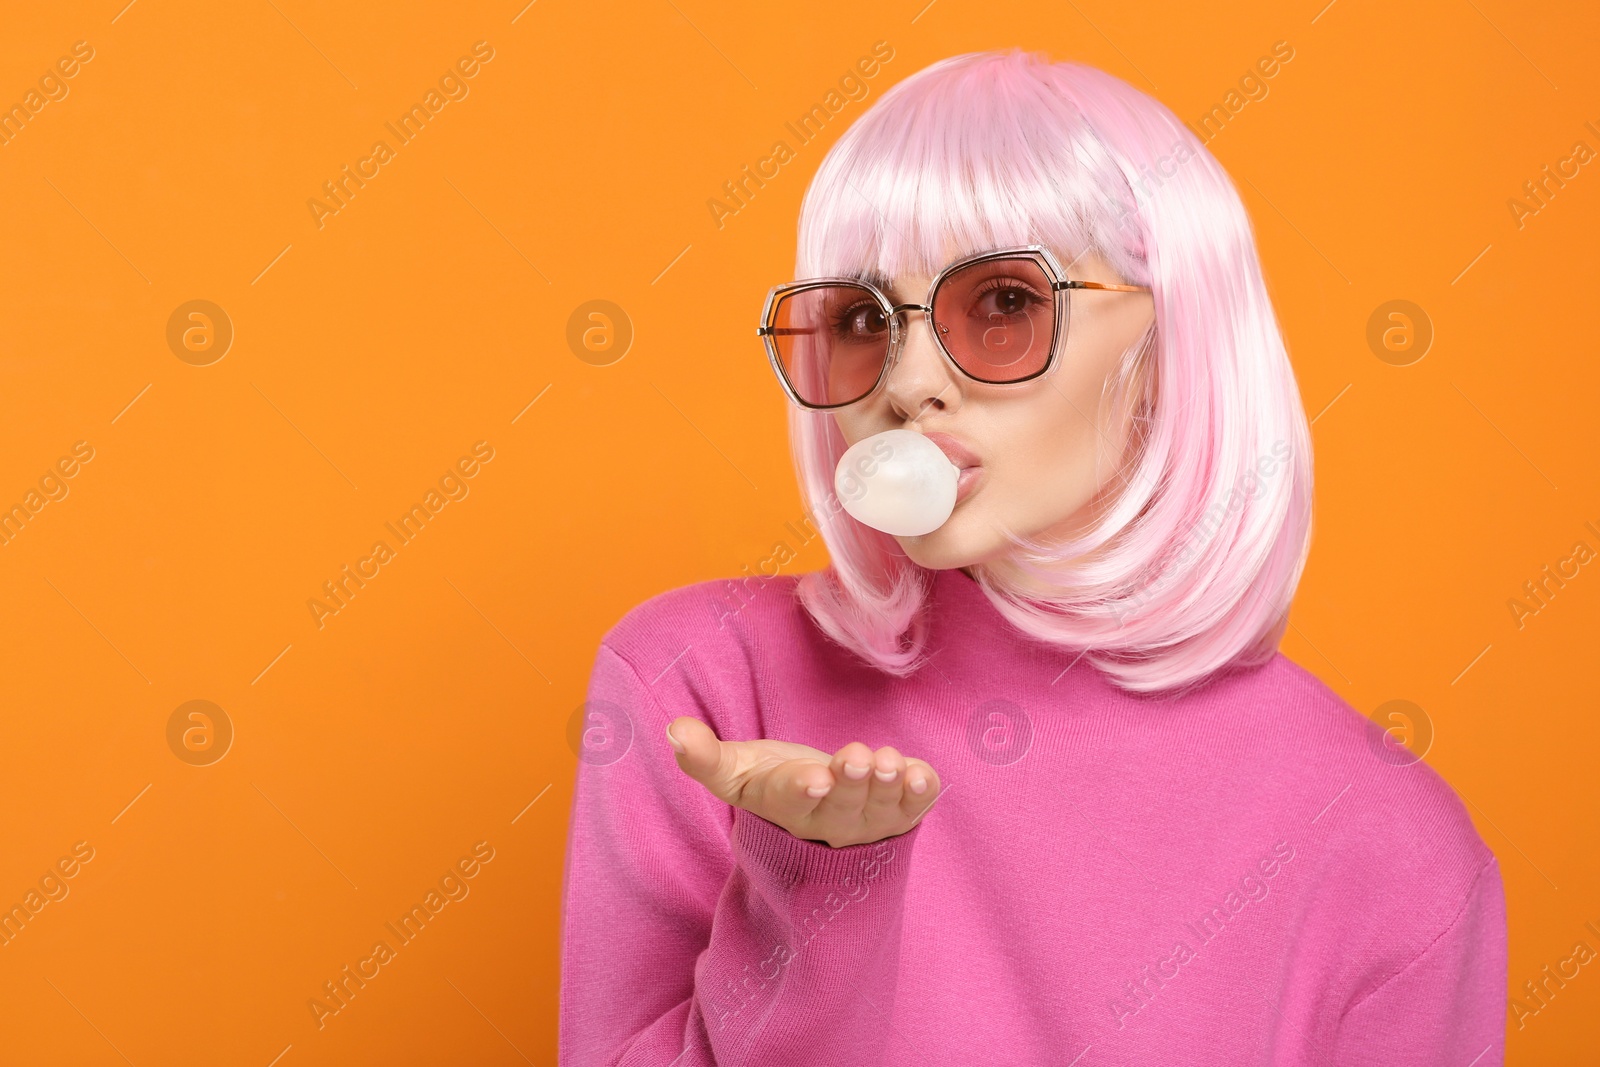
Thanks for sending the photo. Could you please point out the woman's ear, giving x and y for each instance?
(1133, 398)
(1142, 388)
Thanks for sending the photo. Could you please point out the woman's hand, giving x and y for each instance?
(853, 797)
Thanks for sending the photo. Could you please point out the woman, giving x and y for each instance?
(1164, 842)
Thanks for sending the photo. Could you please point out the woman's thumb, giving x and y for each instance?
(695, 744)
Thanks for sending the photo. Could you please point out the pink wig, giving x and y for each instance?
(1200, 541)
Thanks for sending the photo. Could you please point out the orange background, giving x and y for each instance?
(431, 713)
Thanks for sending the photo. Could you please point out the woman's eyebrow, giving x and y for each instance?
(874, 278)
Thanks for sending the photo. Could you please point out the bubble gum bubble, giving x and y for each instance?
(898, 482)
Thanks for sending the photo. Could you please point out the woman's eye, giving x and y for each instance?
(863, 321)
(1010, 301)
(1007, 300)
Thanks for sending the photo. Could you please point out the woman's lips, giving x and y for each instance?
(967, 482)
(958, 453)
(955, 449)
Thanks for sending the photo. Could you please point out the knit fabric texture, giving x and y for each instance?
(1241, 874)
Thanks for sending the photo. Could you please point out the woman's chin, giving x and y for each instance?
(955, 544)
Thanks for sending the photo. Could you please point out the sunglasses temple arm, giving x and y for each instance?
(1107, 285)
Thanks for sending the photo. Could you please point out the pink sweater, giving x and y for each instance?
(1235, 876)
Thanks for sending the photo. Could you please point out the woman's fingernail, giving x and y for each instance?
(919, 784)
(886, 777)
(857, 771)
(674, 742)
(819, 790)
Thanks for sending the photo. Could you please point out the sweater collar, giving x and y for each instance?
(959, 599)
(964, 619)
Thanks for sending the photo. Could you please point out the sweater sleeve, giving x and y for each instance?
(695, 933)
(1449, 1004)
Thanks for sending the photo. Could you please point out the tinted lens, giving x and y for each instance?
(998, 318)
(831, 342)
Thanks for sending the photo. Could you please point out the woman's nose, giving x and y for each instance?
(921, 376)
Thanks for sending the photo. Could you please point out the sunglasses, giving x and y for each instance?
(1000, 317)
